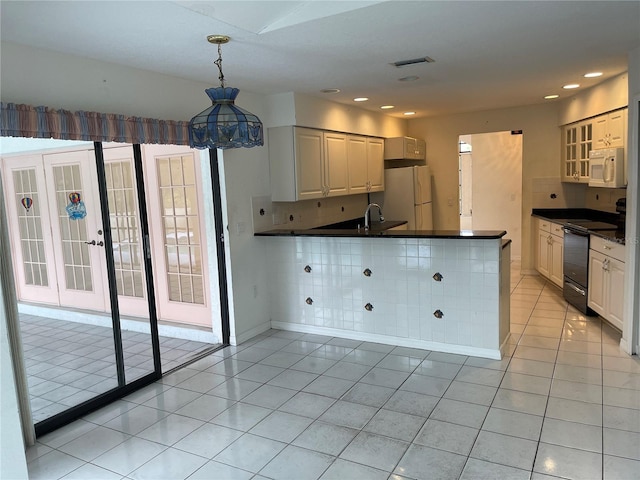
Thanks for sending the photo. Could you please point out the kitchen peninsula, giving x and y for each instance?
(446, 291)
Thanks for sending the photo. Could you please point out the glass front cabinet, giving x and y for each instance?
(577, 141)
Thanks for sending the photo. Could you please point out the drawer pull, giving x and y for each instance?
(438, 314)
(606, 247)
(367, 272)
(307, 269)
(437, 277)
(368, 307)
(309, 301)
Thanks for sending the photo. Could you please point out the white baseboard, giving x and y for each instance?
(249, 334)
(397, 341)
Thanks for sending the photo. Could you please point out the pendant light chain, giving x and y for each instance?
(218, 63)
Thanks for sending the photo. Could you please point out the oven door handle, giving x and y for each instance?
(574, 232)
(578, 290)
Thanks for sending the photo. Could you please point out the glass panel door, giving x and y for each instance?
(78, 351)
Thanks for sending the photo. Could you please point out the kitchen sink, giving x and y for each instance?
(354, 223)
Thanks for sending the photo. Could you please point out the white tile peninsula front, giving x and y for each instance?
(442, 294)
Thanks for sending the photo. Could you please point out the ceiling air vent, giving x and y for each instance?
(413, 61)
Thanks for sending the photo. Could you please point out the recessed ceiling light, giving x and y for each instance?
(592, 74)
(571, 85)
(410, 78)
(409, 113)
(360, 99)
(330, 90)
(551, 97)
(387, 107)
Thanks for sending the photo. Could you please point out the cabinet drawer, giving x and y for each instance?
(544, 225)
(607, 247)
(556, 229)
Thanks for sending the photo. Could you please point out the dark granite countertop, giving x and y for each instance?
(617, 236)
(565, 215)
(324, 232)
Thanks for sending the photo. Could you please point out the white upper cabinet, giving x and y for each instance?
(579, 138)
(577, 143)
(609, 129)
(308, 164)
(335, 164)
(366, 164)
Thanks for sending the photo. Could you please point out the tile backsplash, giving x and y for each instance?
(604, 198)
(269, 215)
(550, 192)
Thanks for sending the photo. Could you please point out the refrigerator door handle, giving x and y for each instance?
(418, 183)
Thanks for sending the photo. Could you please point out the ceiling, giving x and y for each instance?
(487, 54)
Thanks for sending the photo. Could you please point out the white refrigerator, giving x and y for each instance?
(407, 196)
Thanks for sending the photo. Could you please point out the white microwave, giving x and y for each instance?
(606, 168)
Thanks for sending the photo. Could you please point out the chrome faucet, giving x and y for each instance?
(366, 214)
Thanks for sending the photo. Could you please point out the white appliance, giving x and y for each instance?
(606, 168)
(407, 196)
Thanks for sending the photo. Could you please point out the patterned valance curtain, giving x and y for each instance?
(44, 122)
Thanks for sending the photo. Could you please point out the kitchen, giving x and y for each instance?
(248, 173)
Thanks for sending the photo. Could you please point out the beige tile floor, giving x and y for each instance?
(564, 403)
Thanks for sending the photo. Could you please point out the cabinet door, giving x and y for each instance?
(336, 168)
(358, 171)
(617, 126)
(600, 130)
(569, 153)
(555, 264)
(375, 164)
(309, 163)
(615, 293)
(596, 298)
(543, 258)
(585, 145)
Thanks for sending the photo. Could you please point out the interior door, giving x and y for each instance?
(77, 235)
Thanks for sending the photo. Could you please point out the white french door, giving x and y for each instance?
(126, 234)
(28, 219)
(175, 199)
(58, 241)
(76, 229)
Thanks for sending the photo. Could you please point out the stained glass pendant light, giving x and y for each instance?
(223, 124)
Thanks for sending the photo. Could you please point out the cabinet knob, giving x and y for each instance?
(437, 277)
(307, 269)
(438, 314)
(309, 301)
(367, 272)
(368, 307)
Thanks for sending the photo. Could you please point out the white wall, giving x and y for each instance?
(540, 156)
(13, 464)
(631, 335)
(604, 97)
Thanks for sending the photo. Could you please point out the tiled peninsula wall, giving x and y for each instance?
(319, 285)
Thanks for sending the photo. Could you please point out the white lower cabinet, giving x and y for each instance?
(606, 280)
(550, 250)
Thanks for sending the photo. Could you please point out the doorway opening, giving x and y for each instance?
(89, 318)
(490, 184)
